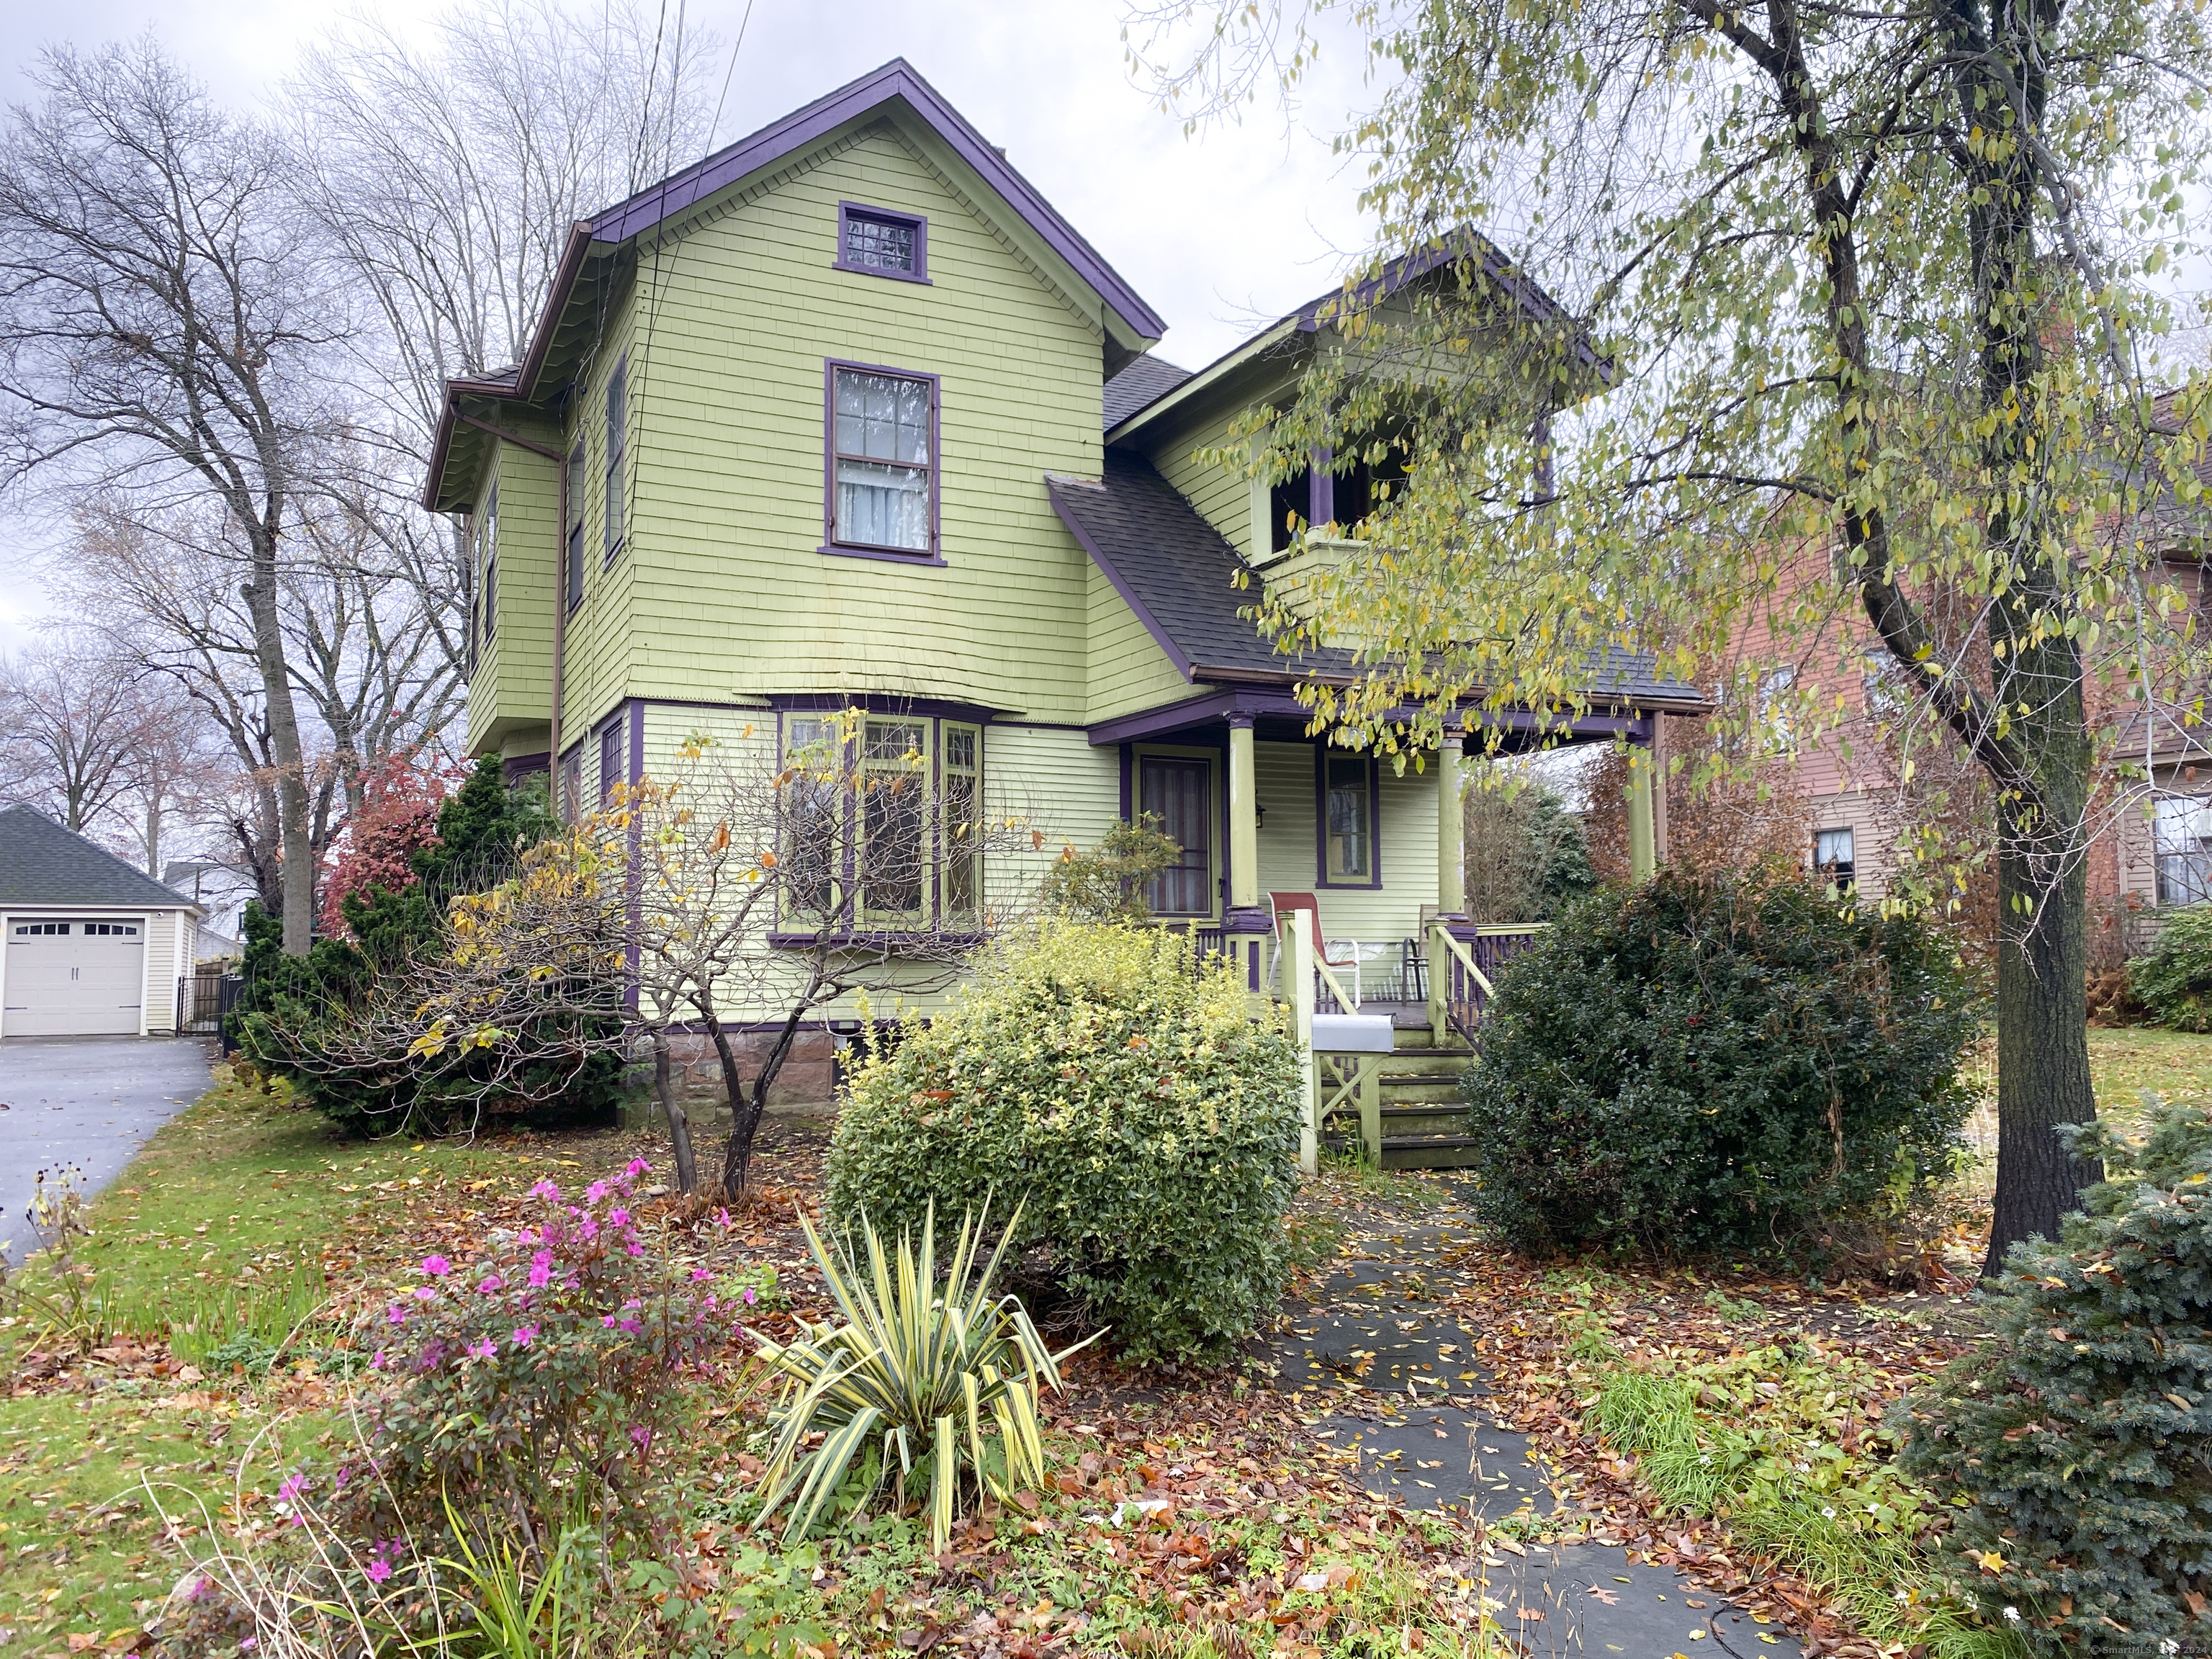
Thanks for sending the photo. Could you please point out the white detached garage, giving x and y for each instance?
(89, 945)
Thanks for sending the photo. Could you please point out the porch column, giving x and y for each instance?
(1245, 921)
(1642, 819)
(1451, 830)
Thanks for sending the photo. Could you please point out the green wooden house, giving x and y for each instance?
(848, 415)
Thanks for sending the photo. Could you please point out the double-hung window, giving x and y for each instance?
(1347, 819)
(894, 813)
(614, 769)
(883, 460)
(574, 576)
(617, 448)
(2182, 840)
(489, 541)
(1835, 855)
(960, 766)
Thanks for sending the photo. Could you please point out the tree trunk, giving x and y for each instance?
(746, 1112)
(297, 871)
(2043, 1054)
(679, 1125)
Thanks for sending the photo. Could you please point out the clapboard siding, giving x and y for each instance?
(1127, 670)
(1407, 839)
(731, 325)
(1222, 494)
(511, 686)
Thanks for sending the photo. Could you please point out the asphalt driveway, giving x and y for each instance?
(87, 1103)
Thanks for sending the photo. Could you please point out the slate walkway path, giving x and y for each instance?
(1388, 1372)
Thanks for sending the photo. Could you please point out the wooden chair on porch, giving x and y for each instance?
(1337, 955)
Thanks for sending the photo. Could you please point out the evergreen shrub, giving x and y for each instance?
(2076, 1444)
(2173, 979)
(1098, 1076)
(483, 829)
(1718, 1061)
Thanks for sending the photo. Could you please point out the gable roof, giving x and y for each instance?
(1177, 572)
(593, 254)
(41, 863)
(1527, 296)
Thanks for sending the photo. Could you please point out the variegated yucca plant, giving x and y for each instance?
(932, 1372)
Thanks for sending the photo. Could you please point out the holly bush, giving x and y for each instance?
(1718, 1061)
(2077, 1443)
(1118, 1090)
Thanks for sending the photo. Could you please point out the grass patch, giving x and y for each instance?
(213, 1237)
(1774, 1444)
(2125, 1064)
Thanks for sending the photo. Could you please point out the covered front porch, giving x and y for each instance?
(1273, 822)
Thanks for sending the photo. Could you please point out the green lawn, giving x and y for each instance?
(2124, 1064)
(239, 1193)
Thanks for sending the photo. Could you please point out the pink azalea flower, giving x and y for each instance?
(492, 1282)
(396, 1315)
(436, 1266)
(291, 1489)
(636, 1248)
(751, 1296)
(607, 1320)
(484, 1350)
(379, 1570)
(595, 1192)
(618, 1218)
(546, 1190)
(541, 1270)
(700, 1275)
(640, 1436)
(722, 1219)
(424, 1293)
(376, 1360)
(523, 1335)
(636, 1167)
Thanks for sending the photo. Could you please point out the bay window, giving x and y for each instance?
(882, 825)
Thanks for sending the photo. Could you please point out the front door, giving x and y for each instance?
(1179, 793)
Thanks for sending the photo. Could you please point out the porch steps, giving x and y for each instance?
(1423, 1120)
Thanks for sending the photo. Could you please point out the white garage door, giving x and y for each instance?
(74, 978)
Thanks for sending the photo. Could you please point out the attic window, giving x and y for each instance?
(881, 243)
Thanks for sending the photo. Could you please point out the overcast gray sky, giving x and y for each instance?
(1217, 231)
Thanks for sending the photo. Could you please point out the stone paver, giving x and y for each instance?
(1395, 1385)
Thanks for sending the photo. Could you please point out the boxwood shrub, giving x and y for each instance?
(1716, 1060)
(2076, 1444)
(1094, 1073)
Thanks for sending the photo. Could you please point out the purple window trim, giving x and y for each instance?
(923, 560)
(919, 223)
(935, 554)
(1322, 756)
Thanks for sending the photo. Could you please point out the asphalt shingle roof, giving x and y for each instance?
(1178, 573)
(42, 863)
(1140, 382)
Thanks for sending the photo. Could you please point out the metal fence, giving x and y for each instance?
(203, 999)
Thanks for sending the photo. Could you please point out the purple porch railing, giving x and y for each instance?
(1491, 948)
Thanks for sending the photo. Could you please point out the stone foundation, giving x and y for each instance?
(806, 1083)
